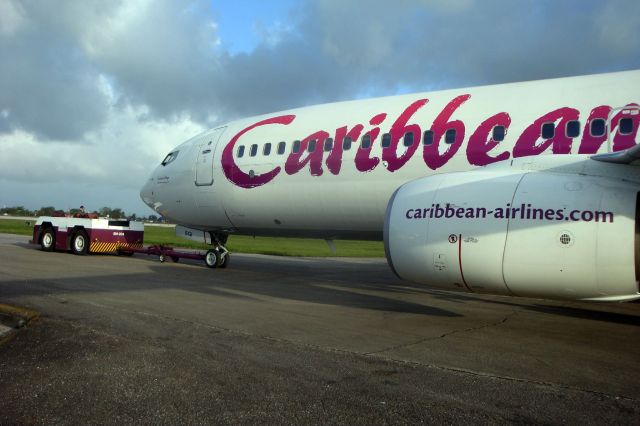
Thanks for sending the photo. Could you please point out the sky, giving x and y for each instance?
(94, 93)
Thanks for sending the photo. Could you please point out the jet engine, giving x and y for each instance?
(514, 232)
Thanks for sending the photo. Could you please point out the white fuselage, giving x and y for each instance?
(335, 192)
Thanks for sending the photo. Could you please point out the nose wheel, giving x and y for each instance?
(217, 257)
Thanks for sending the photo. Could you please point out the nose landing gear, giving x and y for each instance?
(217, 257)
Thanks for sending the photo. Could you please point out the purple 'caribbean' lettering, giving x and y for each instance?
(441, 124)
(398, 130)
(591, 144)
(334, 159)
(560, 143)
(478, 150)
(295, 162)
(231, 169)
(621, 141)
(364, 162)
(481, 141)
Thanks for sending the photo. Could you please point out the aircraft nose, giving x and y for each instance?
(146, 193)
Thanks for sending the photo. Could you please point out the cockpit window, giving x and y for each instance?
(170, 157)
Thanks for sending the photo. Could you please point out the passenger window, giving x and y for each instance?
(450, 136)
(427, 137)
(282, 147)
(365, 143)
(346, 143)
(241, 151)
(498, 133)
(548, 130)
(312, 145)
(573, 129)
(254, 150)
(170, 157)
(296, 147)
(328, 144)
(386, 140)
(626, 126)
(408, 139)
(267, 149)
(598, 127)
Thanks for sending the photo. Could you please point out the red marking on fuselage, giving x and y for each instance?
(460, 263)
(479, 145)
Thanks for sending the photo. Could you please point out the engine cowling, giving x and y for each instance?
(522, 233)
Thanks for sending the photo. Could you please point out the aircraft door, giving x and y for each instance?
(622, 125)
(204, 162)
(209, 211)
(204, 167)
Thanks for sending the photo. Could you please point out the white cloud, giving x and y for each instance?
(12, 17)
(120, 154)
(273, 34)
(619, 23)
(97, 92)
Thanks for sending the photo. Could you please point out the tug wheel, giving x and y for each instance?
(48, 239)
(80, 243)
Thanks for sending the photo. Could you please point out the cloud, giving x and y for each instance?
(84, 82)
(47, 86)
(11, 17)
(166, 55)
(618, 24)
(119, 154)
(160, 54)
(427, 44)
(156, 54)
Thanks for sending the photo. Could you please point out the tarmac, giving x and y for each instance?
(298, 341)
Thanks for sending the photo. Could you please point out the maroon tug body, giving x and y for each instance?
(87, 235)
(82, 235)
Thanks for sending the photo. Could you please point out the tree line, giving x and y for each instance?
(112, 213)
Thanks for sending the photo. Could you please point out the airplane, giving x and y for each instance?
(521, 189)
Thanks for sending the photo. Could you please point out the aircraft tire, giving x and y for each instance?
(211, 258)
(224, 261)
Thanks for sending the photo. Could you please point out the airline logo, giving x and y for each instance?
(479, 149)
(522, 212)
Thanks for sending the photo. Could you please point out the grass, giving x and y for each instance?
(15, 226)
(238, 243)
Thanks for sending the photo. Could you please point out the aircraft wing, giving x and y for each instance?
(628, 156)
